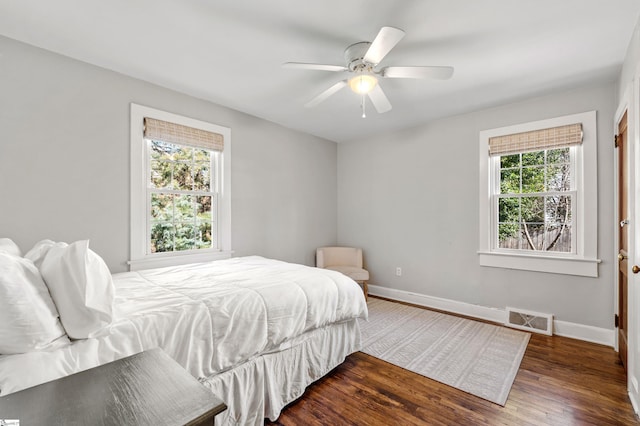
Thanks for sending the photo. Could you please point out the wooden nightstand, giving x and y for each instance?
(148, 388)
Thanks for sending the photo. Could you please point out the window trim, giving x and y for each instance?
(584, 261)
(139, 257)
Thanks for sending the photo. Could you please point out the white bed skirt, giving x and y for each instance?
(262, 386)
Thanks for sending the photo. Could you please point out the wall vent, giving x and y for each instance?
(530, 321)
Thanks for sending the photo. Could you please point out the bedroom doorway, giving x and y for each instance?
(623, 237)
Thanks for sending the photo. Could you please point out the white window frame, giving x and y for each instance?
(141, 258)
(583, 260)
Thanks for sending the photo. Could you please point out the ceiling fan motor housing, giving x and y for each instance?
(354, 55)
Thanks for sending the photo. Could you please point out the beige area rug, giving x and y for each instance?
(478, 358)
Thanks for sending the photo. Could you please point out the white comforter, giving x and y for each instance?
(209, 317)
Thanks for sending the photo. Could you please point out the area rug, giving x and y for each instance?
(478, 358)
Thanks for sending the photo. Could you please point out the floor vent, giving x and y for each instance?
(530, 321)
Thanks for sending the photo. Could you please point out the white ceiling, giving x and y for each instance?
(230, 51)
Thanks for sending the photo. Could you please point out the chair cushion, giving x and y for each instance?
(338, 256)
(356, 274)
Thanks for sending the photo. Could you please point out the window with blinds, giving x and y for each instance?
(181, 186)
(180, 190)
(535, 202)
(538, 196)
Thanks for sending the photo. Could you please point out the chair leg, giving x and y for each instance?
(365, 288)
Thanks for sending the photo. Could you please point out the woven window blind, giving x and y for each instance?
(182, 135)
(536, 140)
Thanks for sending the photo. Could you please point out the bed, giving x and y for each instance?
(255, 331)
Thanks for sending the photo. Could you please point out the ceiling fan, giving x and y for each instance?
(361, 60)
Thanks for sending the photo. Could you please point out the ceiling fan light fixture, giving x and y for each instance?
(362, 83)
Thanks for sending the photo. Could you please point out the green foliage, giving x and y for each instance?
(180, 168)
(180, 219)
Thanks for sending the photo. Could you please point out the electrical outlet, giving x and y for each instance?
(399, 271)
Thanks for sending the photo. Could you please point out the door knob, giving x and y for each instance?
(635, 269)
(624, 222)
(621, 257)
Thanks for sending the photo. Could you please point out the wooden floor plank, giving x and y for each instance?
(561, 381)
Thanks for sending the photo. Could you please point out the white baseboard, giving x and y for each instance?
(587, 333)
(475, 311)
(634, 403)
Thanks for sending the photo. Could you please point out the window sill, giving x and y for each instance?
(555, 265)
(162, 260)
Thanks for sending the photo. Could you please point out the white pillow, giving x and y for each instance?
(81, 286)
(8, 246)
(28, 318)
(39, 251)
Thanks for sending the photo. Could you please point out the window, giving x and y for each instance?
(536, 193)
(538, 208)
(180, 192)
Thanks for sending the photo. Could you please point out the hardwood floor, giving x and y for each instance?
(561, 381)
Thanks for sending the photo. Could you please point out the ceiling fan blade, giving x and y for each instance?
(386, 39)
(439, 73)
(379, 100)
(318, 67)
(324, 95)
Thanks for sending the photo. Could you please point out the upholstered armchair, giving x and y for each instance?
(347, 260)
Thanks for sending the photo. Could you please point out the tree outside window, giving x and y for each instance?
(535, 201)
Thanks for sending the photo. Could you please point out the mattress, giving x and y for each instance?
(209, 317)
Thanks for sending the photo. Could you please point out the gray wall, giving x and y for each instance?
(410, 199)
(64, 162)
(630, 64)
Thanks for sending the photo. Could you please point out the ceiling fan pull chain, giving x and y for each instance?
(363, 112)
